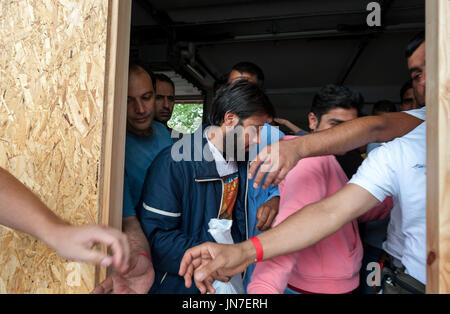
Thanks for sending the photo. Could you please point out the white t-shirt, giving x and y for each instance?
(418, 113)
(398, 169)
(395, 240)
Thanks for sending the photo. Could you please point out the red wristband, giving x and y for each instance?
(143, 254)
(259, 249)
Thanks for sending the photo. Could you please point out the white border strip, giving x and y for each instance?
(161, 212)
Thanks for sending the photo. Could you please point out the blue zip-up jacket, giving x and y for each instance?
(257, 197)
(178, 200)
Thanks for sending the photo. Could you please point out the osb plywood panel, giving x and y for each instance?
(52, 76)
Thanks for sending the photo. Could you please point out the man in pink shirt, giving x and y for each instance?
(333, 264)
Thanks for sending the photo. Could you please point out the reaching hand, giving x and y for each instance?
(210, 261)
(138, 279)
(76, 243)
(267, 213)
(276, 161)
(281, 121)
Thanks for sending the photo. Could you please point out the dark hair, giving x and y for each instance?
(135, 66)
(407, 86)
(414, 43)
(250, 68)
(384, 106)
(221, 81)
(334, 96)
(164, 78)
(241, 98)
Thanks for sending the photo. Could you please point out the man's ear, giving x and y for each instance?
(230, 119)
(313, 121)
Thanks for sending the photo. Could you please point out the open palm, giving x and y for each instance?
(138, 279)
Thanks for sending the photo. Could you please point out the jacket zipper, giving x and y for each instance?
(246, 215)
(221, 199)
(163, 278)
(221, 203)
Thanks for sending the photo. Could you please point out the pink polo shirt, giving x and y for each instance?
(331, 265)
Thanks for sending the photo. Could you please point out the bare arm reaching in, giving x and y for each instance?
(291, 126)
(278, 159)
(301, 230)
(20, 209)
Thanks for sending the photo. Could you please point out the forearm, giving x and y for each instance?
(356, 133)
(136, 238)
(301, 230)
(20, 209)
(313, 223)
(291, 126)
(294, 234)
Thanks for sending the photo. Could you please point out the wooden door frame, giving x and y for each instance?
(115, 117)
(438, 145)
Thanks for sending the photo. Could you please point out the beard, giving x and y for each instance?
(234, 148)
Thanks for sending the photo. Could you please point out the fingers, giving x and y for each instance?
(262, 172)
(206, 270)
(121, 251)
(121, 286)
(281, 176)
(190, 271)
(254, 165)
(261, 216)
(192, 259)
(188, 276)
(269, 221)
(209, 285)
(118, 243)
(205, 285)
(188, 257)
(105, 287)
(270, 178)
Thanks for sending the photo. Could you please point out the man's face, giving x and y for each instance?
(165, 100)
(243, 134)
(416, 66)
(331, 119)
(236, 76)
(409, 101)
(141, 102)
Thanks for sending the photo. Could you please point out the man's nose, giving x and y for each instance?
(140, 108)
(166, 103)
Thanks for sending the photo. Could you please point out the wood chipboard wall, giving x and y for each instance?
(52, 83)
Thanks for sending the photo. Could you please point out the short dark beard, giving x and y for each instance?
(234, 156)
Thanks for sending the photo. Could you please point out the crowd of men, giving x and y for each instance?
(308, 213)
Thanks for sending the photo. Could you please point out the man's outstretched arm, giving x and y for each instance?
(20, 209)
(139, 278)
(301, 230)
(278, 159)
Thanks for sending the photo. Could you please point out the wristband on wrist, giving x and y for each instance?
(259, 249)
(148, 257)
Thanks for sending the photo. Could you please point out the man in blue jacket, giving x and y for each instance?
(263, 204)
(202, 177)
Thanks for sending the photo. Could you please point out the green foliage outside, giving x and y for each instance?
(186, 118)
